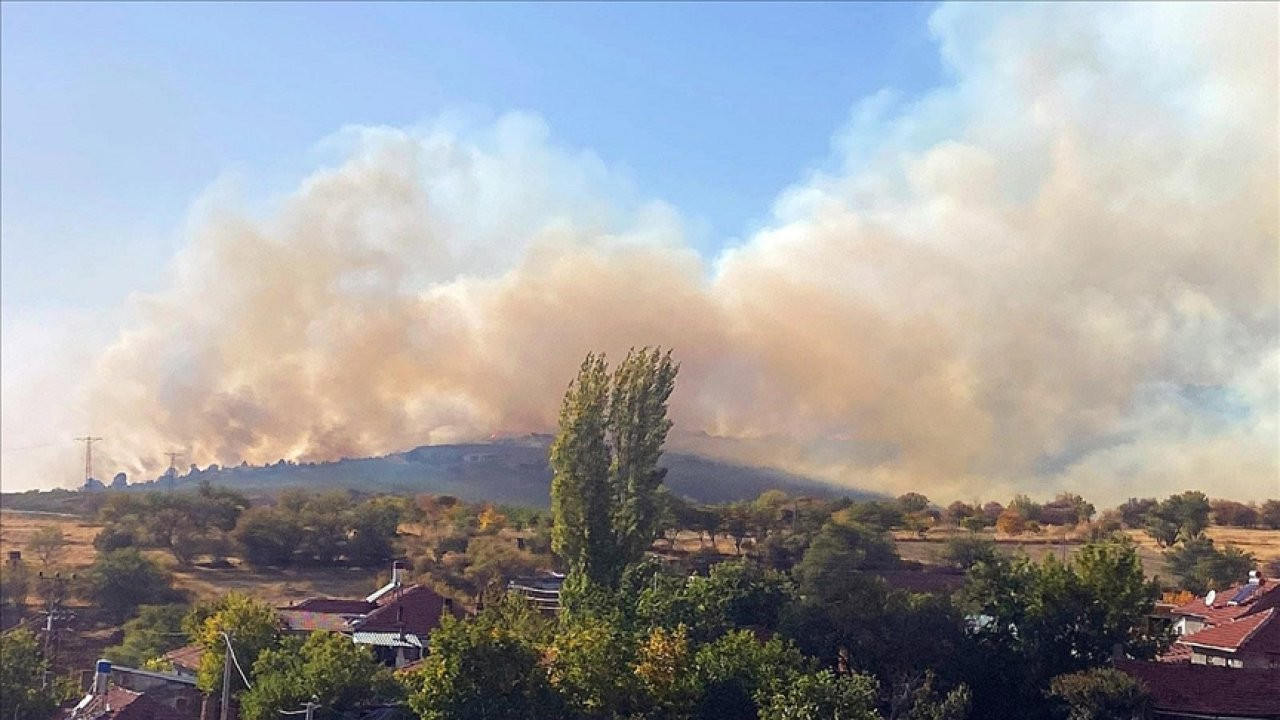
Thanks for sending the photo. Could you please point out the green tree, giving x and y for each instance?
(822, 696)
(917, 698)
(47, 543)
(1201, 566)
(604, 460)
(121, 580)
(1269, 514)
(268, 537)
(23, 692)
(339, 674)
(15, 585)
(839, 551)
(481, 670)
(737, 668)
(913, 502)
(155, 631)
(1101, 694)
(252, 627)
(1179, 517)
(588, 662)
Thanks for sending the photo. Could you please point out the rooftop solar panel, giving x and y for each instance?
(1242, 594)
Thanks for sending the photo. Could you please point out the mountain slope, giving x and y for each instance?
(507, 471)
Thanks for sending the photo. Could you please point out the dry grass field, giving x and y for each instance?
(278, 587)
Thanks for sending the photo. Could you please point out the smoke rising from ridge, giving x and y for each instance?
(1057, 272)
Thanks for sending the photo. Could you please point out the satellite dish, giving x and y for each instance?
(1208, 599)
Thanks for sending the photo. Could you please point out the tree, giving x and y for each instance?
(121, 580)
(1200, 566)
(663, 674)
(1179, 517)
(737, 668)
(1011, 522)
(913, 502)
(23, 691)
(963, 552)
(251, 625)
(1134, 511)
(1236, 514)
(495, 560)
(1101, 694)
(47, 543)
(604, 461)
(155, 631)
(1269, 514)
(15, 585)
(836, 553)
(917, 698)
(588, 663)
(338, 673)
(481, 670)
(822, 696)
(1045, 619)
(268, 537)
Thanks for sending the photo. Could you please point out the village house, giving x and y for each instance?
(1225, 662)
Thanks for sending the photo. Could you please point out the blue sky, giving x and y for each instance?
(116, 117)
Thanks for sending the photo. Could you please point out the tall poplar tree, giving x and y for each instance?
(604, 459)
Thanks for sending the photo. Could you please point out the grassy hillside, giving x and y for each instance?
(508, 471)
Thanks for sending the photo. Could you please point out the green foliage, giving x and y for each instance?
(588, 663)
(47, 543)
(839, 551)
(822, 696)
(185, 523)
(734, 594)
(121, 580)
(963, 552)
(917, 698)
(1179, 517)
(913, 502)
(1269, 514)
(268, 537)
(15, 584)
(338, 673)
(113, 537)
(253, 627)
(495, 560)
(23, 693)
(1200, 566)
(604, 460)
(482, 670)
(1047, 619)
(875, 514)
(155, 631)
(1101, 694)
(737, 668)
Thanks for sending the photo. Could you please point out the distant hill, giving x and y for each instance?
(513, 471)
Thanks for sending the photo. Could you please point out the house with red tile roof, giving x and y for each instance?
(1185, 691)
(397, 631)
(1236, 628)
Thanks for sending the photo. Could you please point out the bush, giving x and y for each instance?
(114, 537)
(121, 580)
(1101, 694)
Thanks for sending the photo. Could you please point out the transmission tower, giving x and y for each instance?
(173, 468)
(88, 441)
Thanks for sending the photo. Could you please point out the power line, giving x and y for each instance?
(173, 469)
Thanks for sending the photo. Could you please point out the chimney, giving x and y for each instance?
(396, 571)
(1255, 577)
(101, 675)
(15, 558)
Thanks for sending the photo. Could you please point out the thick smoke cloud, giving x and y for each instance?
(1058, 272)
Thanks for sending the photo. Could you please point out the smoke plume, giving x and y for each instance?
(1057, 272)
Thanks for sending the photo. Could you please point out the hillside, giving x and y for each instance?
(513, 471)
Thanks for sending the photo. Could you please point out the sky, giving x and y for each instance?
(965, 249)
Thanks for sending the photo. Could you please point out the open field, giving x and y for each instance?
(275, 586)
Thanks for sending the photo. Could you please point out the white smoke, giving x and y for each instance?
(1058, 272)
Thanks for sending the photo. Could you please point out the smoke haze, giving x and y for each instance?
(1058, 272)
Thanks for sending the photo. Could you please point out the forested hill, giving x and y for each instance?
(513, 471)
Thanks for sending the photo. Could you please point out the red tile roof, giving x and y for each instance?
(187, 657)
(1208, 690)
(1176, 653)
(1221, 611)
(313, 621)
(415, 610)
(1259, 630)
(337, 606)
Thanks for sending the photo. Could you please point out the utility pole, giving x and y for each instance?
(226, 677)
(88, 441)
(173, 468)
